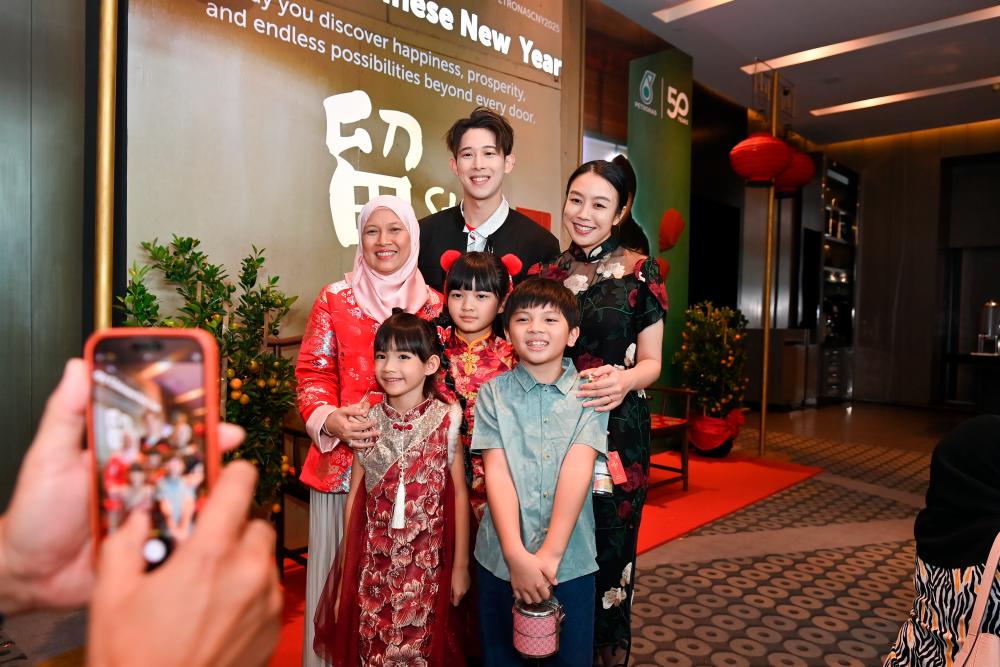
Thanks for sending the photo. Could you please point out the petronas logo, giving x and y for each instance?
(646, 87)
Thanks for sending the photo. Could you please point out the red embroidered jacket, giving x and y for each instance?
(336, 366)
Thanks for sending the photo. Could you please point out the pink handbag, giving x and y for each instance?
(982, 649)
(536, 628)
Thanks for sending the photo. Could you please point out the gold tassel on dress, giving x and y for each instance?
(399, 507)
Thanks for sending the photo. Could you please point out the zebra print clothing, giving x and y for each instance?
(938, 622)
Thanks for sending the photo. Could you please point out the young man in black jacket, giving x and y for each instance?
(481, 148)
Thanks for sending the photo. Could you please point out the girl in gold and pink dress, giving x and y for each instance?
(403, 567)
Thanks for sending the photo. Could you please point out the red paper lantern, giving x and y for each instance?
(671, 228)
(799, 172)
(759, 158)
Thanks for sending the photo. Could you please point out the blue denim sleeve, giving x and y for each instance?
(486, 429)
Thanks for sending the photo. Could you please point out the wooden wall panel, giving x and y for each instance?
(41, 187)
(15, 237)
(57, 84)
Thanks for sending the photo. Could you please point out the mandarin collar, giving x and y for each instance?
(410, 415)
(470, 344)
(600, 252)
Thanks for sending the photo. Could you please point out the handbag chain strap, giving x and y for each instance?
(982, 597)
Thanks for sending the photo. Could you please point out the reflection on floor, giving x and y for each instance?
(819, 574)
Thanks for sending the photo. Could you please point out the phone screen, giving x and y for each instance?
(149, 435)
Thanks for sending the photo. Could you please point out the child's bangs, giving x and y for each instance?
(399, 339)
(476, 274)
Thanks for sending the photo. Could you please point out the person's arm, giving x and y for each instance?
(608, 385)
(46, 562)
(460, 579)
(317, 373)
(575, 475)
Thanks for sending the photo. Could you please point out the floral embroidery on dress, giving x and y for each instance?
(576, 283)
(611, 270)
(630, 356)
(614, 597)
(471, 365)
(400, 567)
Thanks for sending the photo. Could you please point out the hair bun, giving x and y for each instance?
(397, 310)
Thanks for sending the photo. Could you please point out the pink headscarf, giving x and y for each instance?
(378, 294)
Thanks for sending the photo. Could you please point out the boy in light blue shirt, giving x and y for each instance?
(539, 445)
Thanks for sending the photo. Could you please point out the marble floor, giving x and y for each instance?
(818, 574)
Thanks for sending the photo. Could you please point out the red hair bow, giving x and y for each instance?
(448, 258)
(444, 335)
(513, 264)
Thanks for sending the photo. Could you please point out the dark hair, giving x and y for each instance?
(405, 332)
(480, 271)
(631, 235)
(609, 171)
(535, 292)
(631, 182)
(483, 119)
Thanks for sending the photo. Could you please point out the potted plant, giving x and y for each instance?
(712, 360)
(258, 387)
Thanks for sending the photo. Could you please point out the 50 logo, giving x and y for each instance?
(678, 105)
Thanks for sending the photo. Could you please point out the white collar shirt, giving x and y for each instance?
(476, 241)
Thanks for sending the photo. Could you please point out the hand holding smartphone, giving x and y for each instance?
(151, 429)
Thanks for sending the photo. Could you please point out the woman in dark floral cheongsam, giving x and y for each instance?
(622, 302)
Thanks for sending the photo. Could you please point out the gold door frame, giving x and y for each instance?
(105, 176)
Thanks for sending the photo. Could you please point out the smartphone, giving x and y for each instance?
(151, 429)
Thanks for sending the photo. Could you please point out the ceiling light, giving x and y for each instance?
(809, 55)
(902, 97)
(686, 8)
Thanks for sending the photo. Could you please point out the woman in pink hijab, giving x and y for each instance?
(335, 370)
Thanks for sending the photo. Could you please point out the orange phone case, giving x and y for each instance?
(210, 355)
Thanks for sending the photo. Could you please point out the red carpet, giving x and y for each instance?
(717, 487)
(289, 651)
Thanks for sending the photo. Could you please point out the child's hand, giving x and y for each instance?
(605, 388)
(527, 579)
(460, 583)
(549, 565)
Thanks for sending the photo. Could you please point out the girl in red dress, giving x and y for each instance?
(476, 286)
(404, 564)
(335, 370)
